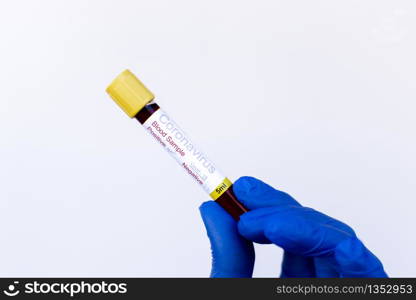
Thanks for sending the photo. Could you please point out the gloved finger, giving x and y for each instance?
(306, 232)
(296, 229)
(325, 267)
(294, 265)
(232, 255)
(353, 259)
(254, 193)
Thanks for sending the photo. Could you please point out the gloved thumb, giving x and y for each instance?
(232, 255)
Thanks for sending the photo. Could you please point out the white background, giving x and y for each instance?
(315, 97)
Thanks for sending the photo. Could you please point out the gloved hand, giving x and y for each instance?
(314, 244)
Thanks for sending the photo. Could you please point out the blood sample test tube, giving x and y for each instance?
(138, 102)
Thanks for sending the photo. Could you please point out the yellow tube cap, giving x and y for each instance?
(129, 93)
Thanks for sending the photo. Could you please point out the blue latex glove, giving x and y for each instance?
(314, 244)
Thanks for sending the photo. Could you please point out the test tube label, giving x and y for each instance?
(181, 148)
